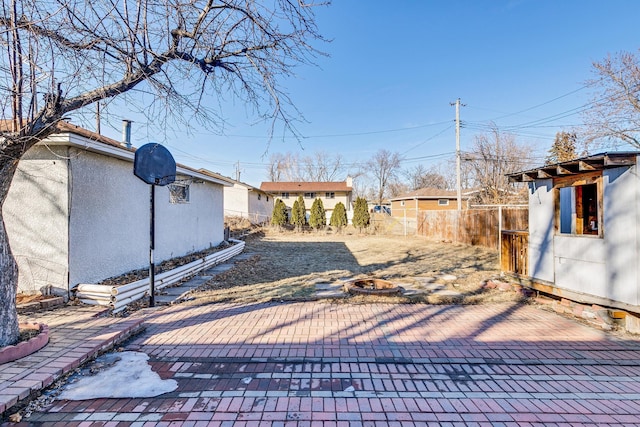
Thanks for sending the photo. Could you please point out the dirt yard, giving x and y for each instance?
(288, 266)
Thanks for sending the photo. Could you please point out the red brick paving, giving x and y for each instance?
(314, 363)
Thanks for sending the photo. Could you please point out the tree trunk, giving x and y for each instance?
(9, 331)
(8, 284)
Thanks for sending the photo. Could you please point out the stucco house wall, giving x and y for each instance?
(75, 213)
(36, 213)
(249, 202)
(260, 206)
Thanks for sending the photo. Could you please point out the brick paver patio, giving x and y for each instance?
(315, 363)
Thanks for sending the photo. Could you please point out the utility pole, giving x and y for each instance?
(458, 159)
(238, 171)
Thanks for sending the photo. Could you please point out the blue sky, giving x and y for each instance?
(395, 67)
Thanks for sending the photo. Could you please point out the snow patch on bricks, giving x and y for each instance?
(126, 374)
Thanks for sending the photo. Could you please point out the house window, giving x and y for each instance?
(443, 202)
(267, 198)
(577, 209)
(285, 195)
(178, 193)
(259, 196)
(309, 195)
(331, 195)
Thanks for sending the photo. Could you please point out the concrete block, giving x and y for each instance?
(632, 324)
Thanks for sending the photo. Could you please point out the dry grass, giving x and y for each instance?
(288, 265)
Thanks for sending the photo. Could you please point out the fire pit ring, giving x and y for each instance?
(372, 287)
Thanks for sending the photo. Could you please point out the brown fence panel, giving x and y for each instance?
(479, 227)
(514, 256)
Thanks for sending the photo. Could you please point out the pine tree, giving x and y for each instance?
(361, 214)
(563, 148)
(318, 217)
(279, 214)
(299, 213)
(338, 217)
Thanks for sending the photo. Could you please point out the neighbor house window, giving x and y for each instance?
(178, 193)
(309, 195)
(443, 202)
(285, 195)
(578, 208)
(331, 195)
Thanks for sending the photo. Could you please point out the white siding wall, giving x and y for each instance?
(35, 215)
(621, 231)
(109, 224)
(541, 230)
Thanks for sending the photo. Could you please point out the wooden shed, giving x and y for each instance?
(584, 230)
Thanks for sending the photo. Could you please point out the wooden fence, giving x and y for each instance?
(480, 227)
(514, 254)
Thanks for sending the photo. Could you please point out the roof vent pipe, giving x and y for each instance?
(126, 133)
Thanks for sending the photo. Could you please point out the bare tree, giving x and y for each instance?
(59, 57)
(384, 166)
(284, 168)
(322, 167)
(615, 112)
(420, 177)
(319, 167)
(495, 155)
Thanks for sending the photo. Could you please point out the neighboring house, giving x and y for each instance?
(584, 229)
(75, 212)
(246, 201)
(428, 199)
(331, 193)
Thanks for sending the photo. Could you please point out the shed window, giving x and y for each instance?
(578, 209)
(443, 202)
(178, 193)
(401, 202)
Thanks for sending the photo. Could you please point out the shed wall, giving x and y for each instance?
(541, 230)
(621, 220)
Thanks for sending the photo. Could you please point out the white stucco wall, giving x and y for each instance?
(236, 201)
(35, 215)
(260, 210)
(109, 222)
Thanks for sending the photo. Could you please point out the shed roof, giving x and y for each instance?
(292, 187)
(577, 166)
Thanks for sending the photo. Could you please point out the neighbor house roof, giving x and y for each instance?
(297, 187)
(582, 165)
(434, 193)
